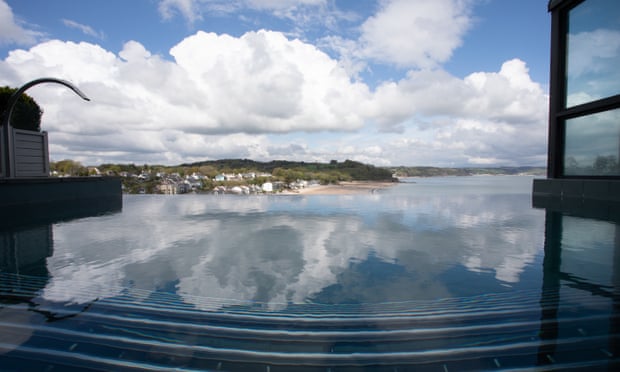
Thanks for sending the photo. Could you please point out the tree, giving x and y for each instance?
(69, 168)
(606, 165)
(26, 113)
(114, 169)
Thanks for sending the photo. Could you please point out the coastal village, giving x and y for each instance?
(223, 183)
(229, 176)
(147, 182)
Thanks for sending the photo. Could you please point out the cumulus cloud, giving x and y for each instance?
(408, 34)
(260, 82)
(505, 96)
(217, 84)
(419, 34)
(263, 82)
(405, 33)
(12, 30)
(476, 118)
(265, 96)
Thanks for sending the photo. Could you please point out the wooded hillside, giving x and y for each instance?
(347, 170)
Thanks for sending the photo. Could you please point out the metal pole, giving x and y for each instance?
(6, 117)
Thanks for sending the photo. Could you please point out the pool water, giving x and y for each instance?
(438, 274)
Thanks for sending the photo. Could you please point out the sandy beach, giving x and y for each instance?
(343, 188)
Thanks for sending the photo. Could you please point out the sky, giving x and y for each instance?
(384, 82)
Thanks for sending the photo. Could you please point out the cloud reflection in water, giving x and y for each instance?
(411, 242)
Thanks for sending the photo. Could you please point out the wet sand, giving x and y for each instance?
(343, 188)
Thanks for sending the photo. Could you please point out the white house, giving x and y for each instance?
(267, 187)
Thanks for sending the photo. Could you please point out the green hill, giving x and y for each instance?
(347, 170)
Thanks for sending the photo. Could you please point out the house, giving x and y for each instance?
(183, 187)
(267, 187)
(144, 176)
(93, 171)
(172, 187)
(195, 177)
(167, 187)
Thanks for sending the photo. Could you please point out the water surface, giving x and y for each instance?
(432, 239)
(455, 273)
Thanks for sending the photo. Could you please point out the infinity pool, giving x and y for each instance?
(437, 274)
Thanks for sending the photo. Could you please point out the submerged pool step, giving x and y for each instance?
(158, 356)
(410, 330)
(97, 338)
(142, 330)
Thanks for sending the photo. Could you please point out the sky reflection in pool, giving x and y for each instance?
(435, 238)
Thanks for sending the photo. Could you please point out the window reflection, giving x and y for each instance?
(593, 48)
(580, 278)
(593, 145)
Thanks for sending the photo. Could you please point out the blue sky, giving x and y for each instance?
(387, 82)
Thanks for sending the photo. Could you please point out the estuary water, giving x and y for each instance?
(447, 273)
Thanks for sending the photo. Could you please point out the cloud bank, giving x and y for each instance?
(265, 95)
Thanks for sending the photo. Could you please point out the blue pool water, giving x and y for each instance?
(438, 274)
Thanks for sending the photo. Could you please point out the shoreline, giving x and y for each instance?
(342, 188)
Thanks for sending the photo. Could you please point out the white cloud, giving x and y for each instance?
(303, 15)
(593, 51)
(11, 31)
(418, 33)
(593, 57)
(85, 29)
(282, 4)
(217, 84)
(508, 95)
(485, 118)
(262, 82)
(263, 96)
(192, 10)
(405, 33)
(187, 8)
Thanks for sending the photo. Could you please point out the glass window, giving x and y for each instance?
(592, 145)
(593, 48)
